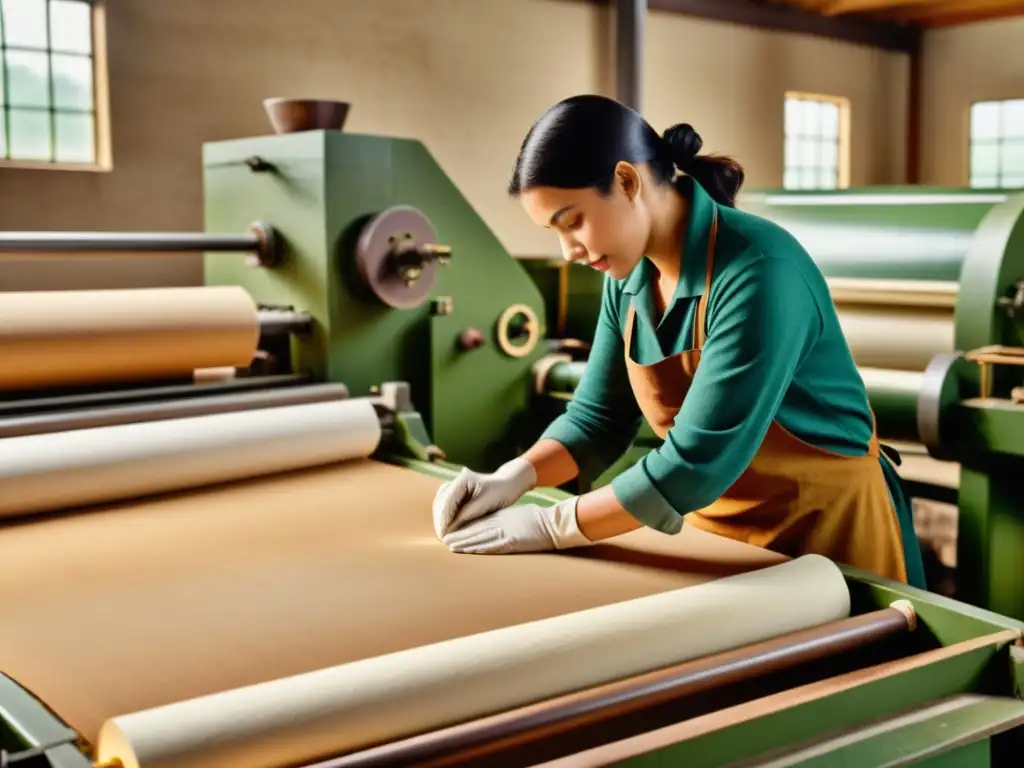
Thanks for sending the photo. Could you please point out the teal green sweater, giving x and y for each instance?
(774, 350)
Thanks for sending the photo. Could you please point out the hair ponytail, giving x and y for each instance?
(577, 143)
(720, 176)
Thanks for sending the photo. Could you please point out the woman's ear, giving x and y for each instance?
(627, 179)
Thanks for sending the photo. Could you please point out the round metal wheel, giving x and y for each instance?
(386, 256)
(518, 330)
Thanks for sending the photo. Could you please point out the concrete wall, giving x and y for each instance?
(465, 76)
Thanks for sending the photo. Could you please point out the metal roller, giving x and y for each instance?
(260, 241)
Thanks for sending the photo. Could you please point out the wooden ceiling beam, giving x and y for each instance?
(787, 18)
(937, 9)
(839, 7)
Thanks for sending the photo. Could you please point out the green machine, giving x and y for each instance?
(929, 284)
(375, 279)
(402, 280)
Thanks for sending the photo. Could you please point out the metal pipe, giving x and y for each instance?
(629, 52)
(259, 240)
(274, 322)
(480, 739)
(122, 242)
(63, 421)
(48, 402)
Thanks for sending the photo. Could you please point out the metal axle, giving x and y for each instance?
(260, 240)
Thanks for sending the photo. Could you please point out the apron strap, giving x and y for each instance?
(699, 333)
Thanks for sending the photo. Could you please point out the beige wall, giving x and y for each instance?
(960, 66)
(465, 76)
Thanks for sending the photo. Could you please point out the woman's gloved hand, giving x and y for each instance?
(471, 495)
(520, 529)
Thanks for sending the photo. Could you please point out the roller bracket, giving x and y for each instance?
(268, 246)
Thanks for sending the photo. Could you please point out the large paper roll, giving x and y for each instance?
(304, 717)
(62, 470)
(80, 338)
(902, 338)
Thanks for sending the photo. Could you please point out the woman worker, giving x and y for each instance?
(718, 328)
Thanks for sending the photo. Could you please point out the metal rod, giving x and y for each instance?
(629, 52)
(489, 736)
(63, 421)
(121, 242)
(36, 402)
(260, 240)
(279, 321)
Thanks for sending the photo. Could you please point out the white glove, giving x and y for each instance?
(525, 528)
(471, 495)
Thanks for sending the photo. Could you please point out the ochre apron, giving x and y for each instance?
(793, 498)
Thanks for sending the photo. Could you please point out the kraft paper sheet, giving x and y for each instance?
(143, 604)
(52, 339)
(298, 719)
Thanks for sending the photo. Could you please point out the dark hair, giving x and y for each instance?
(578, 142)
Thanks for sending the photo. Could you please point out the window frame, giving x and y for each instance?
(103, 160)
(999, 141)
(842, 138)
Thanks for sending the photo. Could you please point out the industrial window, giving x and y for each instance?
(997, 143)
(49, 81)
(816, 135)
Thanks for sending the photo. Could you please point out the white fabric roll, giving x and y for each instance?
(62, 470)
(341, 709)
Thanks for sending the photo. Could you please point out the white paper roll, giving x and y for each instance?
(336, 710)
(62, 470)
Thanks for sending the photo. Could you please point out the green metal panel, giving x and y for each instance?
(885, 697)
(885, 232)
(324, 187)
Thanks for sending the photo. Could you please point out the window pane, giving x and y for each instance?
(1012, 160)
(985, 120)
(25, 23)
(791, 179)
(1013, 118)
(793, 115)
(74, 139)
(807, 154)
(3, 135)
(811, 119)
(827, 178)
(28, 79)
(70, 26)
(829, 121)
(1013, 182)
(809, 178)
(830, 154)
(983, 182)
(72, 82)
(30, 135)
(985, 159)
(792, 156)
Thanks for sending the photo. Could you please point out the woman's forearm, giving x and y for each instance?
(599, 515)
(553, 463)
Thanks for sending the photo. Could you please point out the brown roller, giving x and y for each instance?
(477, 740)
(52, 339)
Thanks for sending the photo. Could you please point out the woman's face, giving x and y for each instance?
(606, 232)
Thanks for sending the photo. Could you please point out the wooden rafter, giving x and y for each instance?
(951, 12)
(838, 7)
(791, 18)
